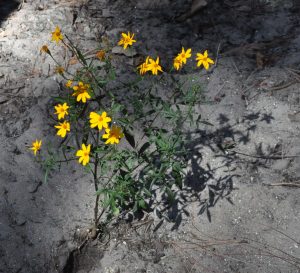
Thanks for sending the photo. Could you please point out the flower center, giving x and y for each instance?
(85, 153)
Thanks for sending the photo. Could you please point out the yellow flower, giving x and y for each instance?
(84, 154)
(100, 55)
(61, 110)
(56, 35)
(184, 55)
(154, 66)
(59, 70)
(36, 146)
(45, 49)
(177, 63)
(126, 40)
(181, 58)
(203, 59)
(99, 120)
(113, 135)
(63, 128)
(144, 66)
(69, 83)
(81, 92)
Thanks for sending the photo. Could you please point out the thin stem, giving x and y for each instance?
(95, 173)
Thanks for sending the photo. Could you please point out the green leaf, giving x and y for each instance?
(147, 192)
(59, 99)
(116, 211)
(46, 176)
(170, 194)
(135, 206)
(177, 177)
(142, 204)
(80, 55)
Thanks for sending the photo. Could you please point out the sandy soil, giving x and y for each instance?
(239, 208)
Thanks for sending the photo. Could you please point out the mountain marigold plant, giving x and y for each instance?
(132, 141)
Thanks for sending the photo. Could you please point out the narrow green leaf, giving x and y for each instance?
(170, 194)
(80, 55)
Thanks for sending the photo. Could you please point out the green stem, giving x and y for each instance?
(95, 173)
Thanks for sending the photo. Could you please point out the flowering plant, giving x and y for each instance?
(97, 126)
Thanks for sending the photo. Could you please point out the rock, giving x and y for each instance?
(20, 220)
(129, 52)
(281, 165)
(106, 13)
(244, 8)
(3, 99)
(40, 7)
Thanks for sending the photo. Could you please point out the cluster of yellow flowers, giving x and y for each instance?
(82, 92)
(153, 66)
(112, 135)
(149, 64)
(63, 127)
(182, 57)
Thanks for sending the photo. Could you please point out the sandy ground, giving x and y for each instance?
(239, 208)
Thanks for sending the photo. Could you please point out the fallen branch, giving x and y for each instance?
(285, 184)
(267, 157)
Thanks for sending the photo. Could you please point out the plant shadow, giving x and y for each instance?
(206, 184)
(6, 8)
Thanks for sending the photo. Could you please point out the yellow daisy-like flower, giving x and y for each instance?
(126, 40)
(204, 59)
(100, 55)
(61, 110)
(84, 154)
(59, 70)
(56, 35)
(181, 58)
(81, 92)
(154, 66)
(113, 135)
(184, 55)
(63, 128)
(144, 66)
(36, 146)
(177, 63)
(99, 120)
(45, 49)
(69, 84)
